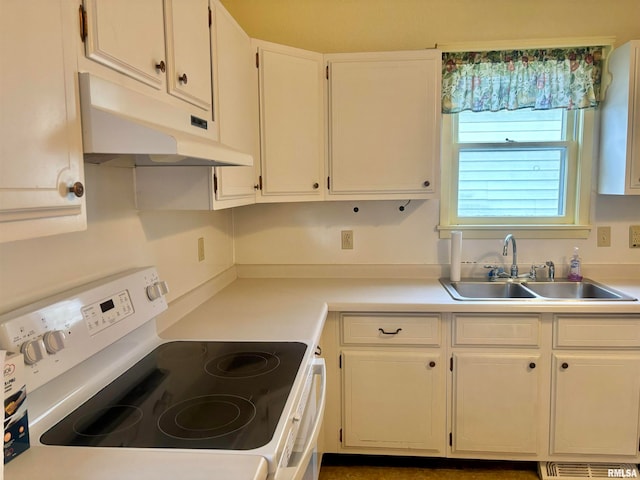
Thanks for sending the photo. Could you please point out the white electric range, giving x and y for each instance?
(108, 398)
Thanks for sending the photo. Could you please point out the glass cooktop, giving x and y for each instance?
(184, 394)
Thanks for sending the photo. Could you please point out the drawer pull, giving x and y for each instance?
(389, 333)
(565, 365)
(432, 364)
(532, 365)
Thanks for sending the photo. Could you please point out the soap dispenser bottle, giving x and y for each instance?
(575, 270)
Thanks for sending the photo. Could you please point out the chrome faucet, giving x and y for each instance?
(505, 248)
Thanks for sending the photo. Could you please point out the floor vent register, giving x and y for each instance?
(580, 471)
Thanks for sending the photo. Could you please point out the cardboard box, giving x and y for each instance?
(16, 422)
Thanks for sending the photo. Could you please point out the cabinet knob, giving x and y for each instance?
(183, 78)
(432, 364)
(532, 365)
(426, 183)
(77, 189)
(316, 186)
(565, 365)
(161, 66)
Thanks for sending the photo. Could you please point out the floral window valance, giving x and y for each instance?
(508, 80)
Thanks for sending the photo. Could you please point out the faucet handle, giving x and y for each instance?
(494, 271)
(551, 274)
(533, 271)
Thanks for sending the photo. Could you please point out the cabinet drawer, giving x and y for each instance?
(596, 331)
(391, 329)
(496, 330)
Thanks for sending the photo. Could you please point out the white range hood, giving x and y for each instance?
(118, 121)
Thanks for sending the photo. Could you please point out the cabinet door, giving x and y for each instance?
(236, 90)
(634, 105)
(384, 124)
(40, 150)
(188, 51)
(595, 402)
(394, 400)
(496, 402)
(128, 37)
(291, 123)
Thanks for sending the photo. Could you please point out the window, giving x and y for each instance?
(525, 171)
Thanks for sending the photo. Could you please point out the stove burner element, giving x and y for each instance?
(242, 364)
(206, 417)
(107, 421)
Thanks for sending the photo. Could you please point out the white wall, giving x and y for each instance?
(118, 238)
(309, 233)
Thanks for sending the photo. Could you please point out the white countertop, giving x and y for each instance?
(293, 309)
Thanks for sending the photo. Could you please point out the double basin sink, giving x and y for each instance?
(586, 290)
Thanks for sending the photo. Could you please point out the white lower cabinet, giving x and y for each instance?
(394, 399)
(502, 386)
(596, 399)
(496, 402)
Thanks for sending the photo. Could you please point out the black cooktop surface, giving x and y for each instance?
(218, 395)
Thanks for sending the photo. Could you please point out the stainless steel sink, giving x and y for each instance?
(486, 290)
(586, 290)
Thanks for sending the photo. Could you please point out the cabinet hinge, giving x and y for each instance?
(450, 439)
(82, 18)
(257, 59)
(340, 435)
(215, 183)
(210, 19)
(451, 364)
(327, 72)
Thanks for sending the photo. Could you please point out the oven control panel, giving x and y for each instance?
(59, 332)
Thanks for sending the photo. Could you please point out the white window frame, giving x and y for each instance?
(575, 223)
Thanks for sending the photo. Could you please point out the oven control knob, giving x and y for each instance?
(54, 341)
(157, 290)
(33, 350)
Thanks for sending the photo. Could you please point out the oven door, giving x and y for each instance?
(303, 463)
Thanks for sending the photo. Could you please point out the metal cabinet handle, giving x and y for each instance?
(432, 364)
(426, 183)
(532, 365)
(565, 365)
(316, 186)
(389, 333)
(183, 78)
(77, 189)
(161, 66)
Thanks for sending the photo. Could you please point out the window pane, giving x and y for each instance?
(511, 182)
(517, 125)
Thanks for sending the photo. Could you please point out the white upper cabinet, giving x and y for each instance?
(384, 124)
(236, 84)
(620, 128)
(162, 44)
(128, 37)
(40, 146)
(291, 123)
(188, 53)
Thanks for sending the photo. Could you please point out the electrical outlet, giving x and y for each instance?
(347, 239)
(604, 236)
(201, 249)
(634, 236)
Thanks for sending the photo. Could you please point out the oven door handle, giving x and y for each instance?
(298, 471)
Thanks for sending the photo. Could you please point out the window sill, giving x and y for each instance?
(520, 231)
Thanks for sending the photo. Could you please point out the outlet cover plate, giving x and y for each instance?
(634, 236)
